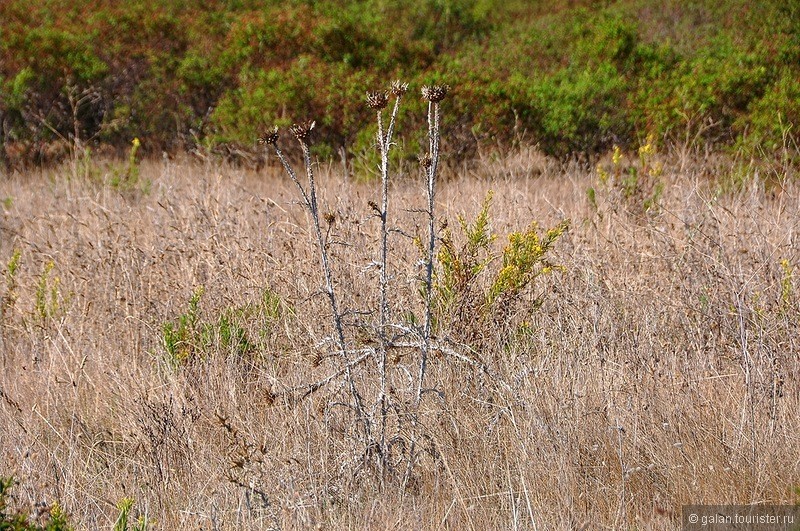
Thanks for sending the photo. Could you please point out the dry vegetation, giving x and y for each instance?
(660, 369)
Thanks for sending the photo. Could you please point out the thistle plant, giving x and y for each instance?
(378, 101)
(308, 192)
(523, 261)
(430, 162)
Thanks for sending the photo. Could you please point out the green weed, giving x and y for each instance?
(124, 507)
(787, 291)
(459, 268)
(127, 177)
(48, 301)
(190, 336)
(636, 181)
(179, 336)
(55, 520)
(470, 293)
(10, 295)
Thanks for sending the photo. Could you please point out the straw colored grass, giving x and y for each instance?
(661, 369)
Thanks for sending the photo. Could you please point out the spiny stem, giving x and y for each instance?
(310, 199)
(384, 144)
(291, 173)
(392, 121)
(433, 139)
(430, 165)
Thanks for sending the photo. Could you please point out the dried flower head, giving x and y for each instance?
(377, 100)
(302, 130)
(330, 218)
(316, 359)
(435, 93)
(426, 161)
(270, 136)
(399, 88)
(395, 356)
(374, 206)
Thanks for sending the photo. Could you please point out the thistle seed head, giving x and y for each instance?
(270, 136)
(435, 93)
(377, 100)
(426, 161)
(302, 130)
(399, 88)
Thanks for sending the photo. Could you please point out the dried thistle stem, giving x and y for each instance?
(310, 199)
(383, 311)
(430, 165)
(384, 145)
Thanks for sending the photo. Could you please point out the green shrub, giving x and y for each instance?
(774, 117)
(572, 77)
(55, 520)
(180, 336)
(470, 291)
(124, 507)
(189, 337)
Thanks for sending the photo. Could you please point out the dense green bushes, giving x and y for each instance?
(572, 76)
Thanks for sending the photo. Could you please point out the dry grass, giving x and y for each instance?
(662, 368)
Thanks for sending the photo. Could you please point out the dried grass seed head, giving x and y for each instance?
(302, 130)
(435, 93)
(398, 88)
(270, 136)
(377, 100)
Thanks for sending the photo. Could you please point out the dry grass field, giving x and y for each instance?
(155, 342)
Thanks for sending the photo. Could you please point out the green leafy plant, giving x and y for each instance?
(227, 334)
(124, 507)
(127, 178)
(48, 301)
(524, 259)
(471, 293)
(179, 337)
(10, 295)
(459, 268)
(787, 291)
(637, 181)
(190, 337)
(55, 520)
